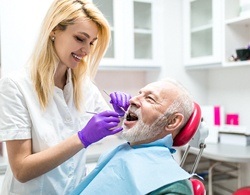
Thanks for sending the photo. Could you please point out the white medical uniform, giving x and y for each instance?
(22, 118)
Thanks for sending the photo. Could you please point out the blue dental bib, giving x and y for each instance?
(134, 170)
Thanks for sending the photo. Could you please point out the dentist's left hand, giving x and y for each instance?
(99, 126)
(120, 102)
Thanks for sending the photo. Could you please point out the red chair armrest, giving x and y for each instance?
(198, 187)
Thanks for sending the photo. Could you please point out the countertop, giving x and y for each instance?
(225, 152)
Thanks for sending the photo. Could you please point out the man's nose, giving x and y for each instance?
(135, 101)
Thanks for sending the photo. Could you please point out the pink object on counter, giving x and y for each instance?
(217, 115)
(232, 119)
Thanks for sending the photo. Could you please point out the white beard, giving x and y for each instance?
(141, 131)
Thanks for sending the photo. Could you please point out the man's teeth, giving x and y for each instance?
(79, 58)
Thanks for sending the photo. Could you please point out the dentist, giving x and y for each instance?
(43, 117)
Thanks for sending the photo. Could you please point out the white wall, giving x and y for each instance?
(230, 87)
(20, 23)
(126, 81)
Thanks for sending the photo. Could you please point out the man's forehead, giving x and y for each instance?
(152, 87)
(160, 88)
(159, 85)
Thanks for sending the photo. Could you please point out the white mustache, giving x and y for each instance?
(133, 109)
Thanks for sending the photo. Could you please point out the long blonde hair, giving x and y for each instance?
(44, 60)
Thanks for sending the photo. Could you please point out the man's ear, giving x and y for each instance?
(174, 122)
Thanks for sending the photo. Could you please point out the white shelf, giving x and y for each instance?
(237, 63)
(242, 20)
(143, 31)
(201, 28)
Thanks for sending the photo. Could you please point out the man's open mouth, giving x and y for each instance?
(131, 117)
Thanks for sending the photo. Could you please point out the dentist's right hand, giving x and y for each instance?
(99, 126)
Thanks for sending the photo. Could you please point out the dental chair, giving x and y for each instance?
(242, 191)
(193, 135)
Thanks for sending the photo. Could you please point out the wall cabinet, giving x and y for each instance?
(213, 30)
(133, 25)
(236, 31)
(202, 32)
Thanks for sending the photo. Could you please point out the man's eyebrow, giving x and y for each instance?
(150, 92)
(156, 97)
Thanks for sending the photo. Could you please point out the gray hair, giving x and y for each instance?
(183, 104)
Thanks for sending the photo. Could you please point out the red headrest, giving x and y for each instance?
(188, 131)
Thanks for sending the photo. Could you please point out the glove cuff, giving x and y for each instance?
(83, 140)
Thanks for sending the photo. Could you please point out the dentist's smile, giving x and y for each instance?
(77, 57)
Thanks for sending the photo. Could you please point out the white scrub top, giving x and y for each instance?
(22, 118)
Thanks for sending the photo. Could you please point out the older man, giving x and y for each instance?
(144, 165)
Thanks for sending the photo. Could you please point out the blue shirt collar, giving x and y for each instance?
(166, 141)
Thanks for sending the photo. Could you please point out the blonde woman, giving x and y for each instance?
(43, 115)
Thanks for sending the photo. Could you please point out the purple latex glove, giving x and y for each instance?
(99, 126)
(120, 102)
